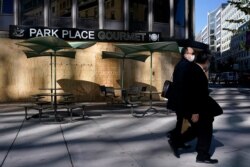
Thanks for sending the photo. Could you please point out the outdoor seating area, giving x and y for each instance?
(109, 94)
(131, 97)
(54, 106)
(126, 95)
(53, 99)
(136, 93)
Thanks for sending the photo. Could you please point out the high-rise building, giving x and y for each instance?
(230, 42)
(202, 36)
(211, 30)
(226, 45)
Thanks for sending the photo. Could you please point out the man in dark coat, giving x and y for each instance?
(177, 98)
(198, 109)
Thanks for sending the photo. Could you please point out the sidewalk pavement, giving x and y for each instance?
(111, 137)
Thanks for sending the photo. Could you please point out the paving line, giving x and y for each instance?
(66, 144)
(12, 143)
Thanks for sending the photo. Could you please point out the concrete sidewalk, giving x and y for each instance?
(111, 137)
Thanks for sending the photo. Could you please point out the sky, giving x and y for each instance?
(202, 7)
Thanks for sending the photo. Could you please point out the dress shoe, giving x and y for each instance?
(174, 148)
(207, 161)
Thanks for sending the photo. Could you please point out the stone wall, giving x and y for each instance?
(21, 77)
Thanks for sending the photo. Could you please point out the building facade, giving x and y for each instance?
(202, 36)
(230, 42)
(211, 31)
(226, 45)
(240, 56)
(22, 77)
(173, 18)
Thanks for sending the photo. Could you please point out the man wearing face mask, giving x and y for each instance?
(200, 118)
(177, 98)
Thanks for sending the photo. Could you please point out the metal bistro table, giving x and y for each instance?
(52, 90)
(54, 99)
(150, 93)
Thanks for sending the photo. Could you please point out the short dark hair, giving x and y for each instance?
(203, 57)
(183, 51)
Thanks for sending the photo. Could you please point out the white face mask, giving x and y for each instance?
(191, 58)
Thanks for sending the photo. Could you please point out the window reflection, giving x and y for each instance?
(161, 11)
(161, 17)
(61, 8)
(88, 14)
(6, 7)
(179, 12)
(114, 10)
(113, 14)
(60, 11)
(138, 15)
(6, 14)
(179, 18)
(32, 12)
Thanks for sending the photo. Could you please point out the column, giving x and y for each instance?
(126, 14)
(74, 13)
(192, 18)
(150, 15)
(186, 19)
(171, 19)
(101, 13)
(46, 11)
(16, 12)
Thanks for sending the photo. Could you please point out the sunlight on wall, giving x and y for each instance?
(21, 77)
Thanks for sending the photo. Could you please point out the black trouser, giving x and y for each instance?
(205, 133)
(176, 132)
(203, 130)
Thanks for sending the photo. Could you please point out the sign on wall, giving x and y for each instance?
(24, 32)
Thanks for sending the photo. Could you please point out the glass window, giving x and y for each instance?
(6, 7)
(161, 17)
(88, 14)
(114, 10)
(114, 14)
(179, 18)
(138, 15)
(161, 11)
(32, 12)
(179, 12)
(6, 14)
(60, 13)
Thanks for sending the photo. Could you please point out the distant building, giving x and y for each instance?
(211, 30)
(226, 46)
(230, 44)
(202, 36)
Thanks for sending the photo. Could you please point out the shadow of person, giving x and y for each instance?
(215, 143)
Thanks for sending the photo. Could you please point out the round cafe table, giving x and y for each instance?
(54, 96)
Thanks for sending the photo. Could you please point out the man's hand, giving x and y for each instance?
(195, 118)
